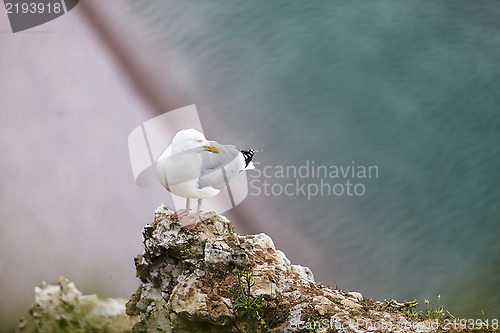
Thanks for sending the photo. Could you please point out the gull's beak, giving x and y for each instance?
(212, 149)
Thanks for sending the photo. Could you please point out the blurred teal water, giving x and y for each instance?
(411, 87)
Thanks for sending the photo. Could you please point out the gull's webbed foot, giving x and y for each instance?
(190, 221)
(180, 213)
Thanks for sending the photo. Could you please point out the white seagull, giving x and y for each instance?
(194, 168)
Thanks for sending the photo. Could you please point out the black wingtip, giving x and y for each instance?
(248, 155)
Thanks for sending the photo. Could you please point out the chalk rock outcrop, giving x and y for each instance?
(214, 280)
(63, 308)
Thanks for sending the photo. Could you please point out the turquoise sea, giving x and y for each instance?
(412, 88)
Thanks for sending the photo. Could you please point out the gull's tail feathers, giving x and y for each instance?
(248, 155)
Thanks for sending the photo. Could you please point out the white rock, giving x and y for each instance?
(294, 317)
(356, 295)
(108, 307)
(303, 272)
(263, 240)
(283, 262)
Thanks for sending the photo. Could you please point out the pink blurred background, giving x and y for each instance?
(71, 91)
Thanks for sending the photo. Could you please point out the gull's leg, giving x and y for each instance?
(192, 222)
(182, 212)
(199, 207)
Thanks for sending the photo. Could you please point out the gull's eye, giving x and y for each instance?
(199, 140)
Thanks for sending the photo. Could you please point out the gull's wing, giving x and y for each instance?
(217, 170)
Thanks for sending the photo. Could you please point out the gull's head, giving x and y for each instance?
(192, 139)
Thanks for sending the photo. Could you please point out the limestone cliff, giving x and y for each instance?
(63, 308)
(214, 280)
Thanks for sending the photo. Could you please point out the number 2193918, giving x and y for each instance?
(470, 324)
(32, 8)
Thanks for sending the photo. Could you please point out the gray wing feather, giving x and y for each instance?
(217, 170)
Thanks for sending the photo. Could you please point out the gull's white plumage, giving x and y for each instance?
(195, 168)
